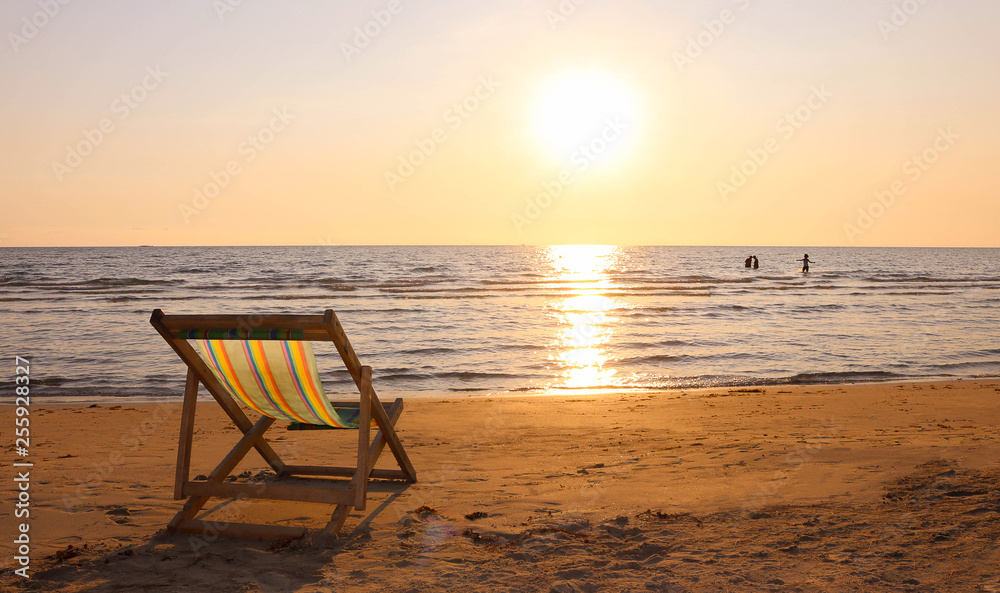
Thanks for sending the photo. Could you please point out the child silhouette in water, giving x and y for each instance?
(805, 262)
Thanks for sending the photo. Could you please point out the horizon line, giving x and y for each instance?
(799, 246)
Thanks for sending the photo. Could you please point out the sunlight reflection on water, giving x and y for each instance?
(586, 328)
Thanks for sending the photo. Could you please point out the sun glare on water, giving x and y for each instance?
(583, 313)
(587, 116)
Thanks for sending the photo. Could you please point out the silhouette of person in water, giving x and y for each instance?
(805, 262)
(756, 264)
(747, 262)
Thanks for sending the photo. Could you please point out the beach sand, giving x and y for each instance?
(880, 487)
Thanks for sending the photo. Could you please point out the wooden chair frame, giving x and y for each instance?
(318, 488)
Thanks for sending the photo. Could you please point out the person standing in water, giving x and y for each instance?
(805, 262)
(756, 264)
(746, 262)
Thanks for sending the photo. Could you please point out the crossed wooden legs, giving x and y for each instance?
(315, 489)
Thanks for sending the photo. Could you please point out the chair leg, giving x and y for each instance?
(392, 439)
(222, 471)
(338, 519)
(187, 433)
(378, 443)
(188, 511)
(360, 481)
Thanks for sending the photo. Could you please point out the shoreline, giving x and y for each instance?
(431, 395)
(727, 476)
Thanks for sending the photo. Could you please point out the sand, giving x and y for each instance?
(882, 487)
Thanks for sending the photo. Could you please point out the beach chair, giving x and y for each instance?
(266, 363)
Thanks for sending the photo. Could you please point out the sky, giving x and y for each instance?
(722, 122)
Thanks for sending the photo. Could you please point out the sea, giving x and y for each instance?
(511, 320)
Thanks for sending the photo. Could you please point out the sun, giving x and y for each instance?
(579, 114)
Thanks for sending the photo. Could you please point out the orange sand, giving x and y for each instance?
(884, 487)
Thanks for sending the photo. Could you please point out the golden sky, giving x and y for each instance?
(724, 122)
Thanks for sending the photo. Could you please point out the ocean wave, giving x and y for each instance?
(195, 271)
(419, 351)
(418, 296)
(401, 377)
(93, 285)
(968, 366)
(405, 283)
(445, 376)
(843, 377)
(934, 279)
(290, 297)
(653, 344)
(655, 358)
(431, 290)
(519, 347)
(472, 375)
(697, 280)
(379, 311)
(643, 311)
(126, 282)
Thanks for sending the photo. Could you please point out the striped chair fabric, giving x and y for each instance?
(276, 378)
